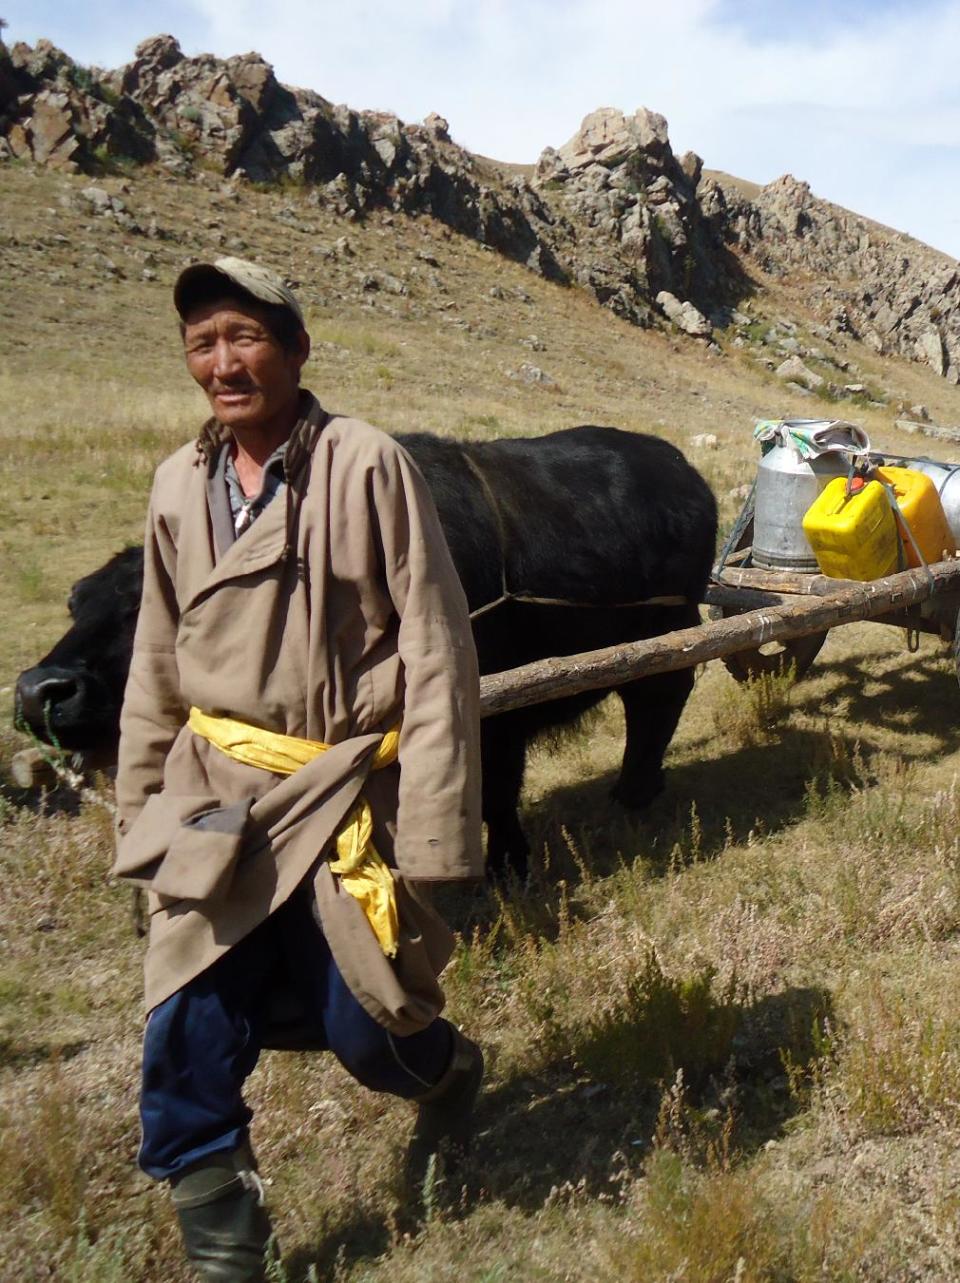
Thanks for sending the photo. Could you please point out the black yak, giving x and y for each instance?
(591, 522)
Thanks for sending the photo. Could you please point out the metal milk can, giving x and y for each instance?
(801, 456)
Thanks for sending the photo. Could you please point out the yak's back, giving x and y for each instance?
(600, 514)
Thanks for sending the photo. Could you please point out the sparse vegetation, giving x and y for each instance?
(721, 1038)
(755, 711)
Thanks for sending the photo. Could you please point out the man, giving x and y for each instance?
(299, 748)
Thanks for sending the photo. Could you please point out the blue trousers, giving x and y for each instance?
(202, 1042)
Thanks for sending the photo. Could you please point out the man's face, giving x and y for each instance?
(250, 381)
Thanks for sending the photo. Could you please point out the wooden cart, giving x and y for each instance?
(763, 621)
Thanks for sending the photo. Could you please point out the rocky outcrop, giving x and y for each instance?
(59, 114)
(612, 210)
(684, 315)
(893, 293)
(639, 227)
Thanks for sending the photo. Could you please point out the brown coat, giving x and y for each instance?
(362, 625)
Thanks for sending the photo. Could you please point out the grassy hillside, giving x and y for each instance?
(723, 1041)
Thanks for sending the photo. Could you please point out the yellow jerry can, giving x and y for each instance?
(920, 506)
(853, 536)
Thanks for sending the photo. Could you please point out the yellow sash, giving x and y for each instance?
(360, 868)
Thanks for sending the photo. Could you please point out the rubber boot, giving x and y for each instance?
(443, 1129)
(224, 1224)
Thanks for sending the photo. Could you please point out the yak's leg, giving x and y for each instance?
(652, 706)
(503, 746)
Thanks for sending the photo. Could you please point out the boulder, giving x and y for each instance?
(437, 126)
(603, 138)
(532, 374)
(692, 166)
(929, 349)
(254, 80)
(793, 370)
(607, 137)
(53, 141)
(43, 62)
(684, 315)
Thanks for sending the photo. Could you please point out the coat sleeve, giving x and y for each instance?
(153, 710)
(438, 818)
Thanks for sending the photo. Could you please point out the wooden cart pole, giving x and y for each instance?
(848, 604)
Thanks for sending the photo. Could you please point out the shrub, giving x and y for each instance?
(660, 1026)
(755, 711)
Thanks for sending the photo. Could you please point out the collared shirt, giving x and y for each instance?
(244, 509)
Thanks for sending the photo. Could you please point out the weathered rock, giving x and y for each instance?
(603, 138)
(684, 315)
(929, 348)
(612, 209)
(373, 282)
(794, 370)
(904, 297)
(438, 126)
(98, 199)
(692, 166)
(607, 137)
(53, 141)
(254, 80)
(528, 373)
(43, 62)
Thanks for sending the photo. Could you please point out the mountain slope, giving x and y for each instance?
(613, 210)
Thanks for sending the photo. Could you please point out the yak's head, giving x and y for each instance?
(72, 697)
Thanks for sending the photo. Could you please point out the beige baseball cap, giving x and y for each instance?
(260, 283)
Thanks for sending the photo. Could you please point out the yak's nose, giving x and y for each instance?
(42, 695)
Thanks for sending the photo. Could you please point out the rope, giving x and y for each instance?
(912, 634)
(530, 599)
(739, 529)
(898, 513)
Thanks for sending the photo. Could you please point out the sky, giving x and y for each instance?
(861, 98)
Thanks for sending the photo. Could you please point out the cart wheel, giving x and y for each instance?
(775, 657)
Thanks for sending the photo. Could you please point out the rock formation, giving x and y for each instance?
(881, 286)
(612, 210)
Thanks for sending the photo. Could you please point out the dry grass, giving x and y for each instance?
(722, 1040)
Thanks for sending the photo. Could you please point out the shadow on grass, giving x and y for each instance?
(40, 801)
(914, 694)
(564, 1127)
(15, 1056)
(578, 831)
(364, 1237)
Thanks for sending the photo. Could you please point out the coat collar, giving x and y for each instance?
(261, 545)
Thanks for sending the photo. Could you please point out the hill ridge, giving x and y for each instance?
(654, 237)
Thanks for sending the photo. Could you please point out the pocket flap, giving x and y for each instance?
(145, 843)
(201, 858)
(183, 848)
